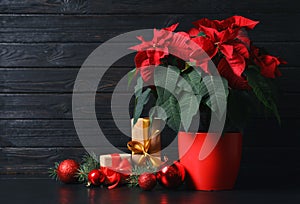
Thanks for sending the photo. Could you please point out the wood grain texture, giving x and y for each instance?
(52, 54)
(147, 6)
(260, 132)
(55, 133)
(61, 80)
(59, 106)
(38, 160)
(74, 54)
(55, 80)
(70, 28)
(55, 106)
(44, 6)
(34, 160)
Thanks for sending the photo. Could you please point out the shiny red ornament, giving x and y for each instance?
(95, 177)
(67, 170)
(171, 176)
(147, 181)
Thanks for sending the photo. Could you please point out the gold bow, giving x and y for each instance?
(139, 148)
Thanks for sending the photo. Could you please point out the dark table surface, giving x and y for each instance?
(43, 190)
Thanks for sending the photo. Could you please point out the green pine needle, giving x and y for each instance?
(137, 170)
(89, 162)
(53, 171)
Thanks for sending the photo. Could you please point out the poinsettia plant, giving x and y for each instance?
(246, 73)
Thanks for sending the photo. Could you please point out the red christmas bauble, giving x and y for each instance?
(181, 170)
(67, 170)
(171, 176)
(95, 177)
(147, 181)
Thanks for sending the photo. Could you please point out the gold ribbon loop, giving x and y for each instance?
(138, 148)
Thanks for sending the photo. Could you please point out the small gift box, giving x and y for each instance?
(117, 162)
(146, 142)
(116, 168)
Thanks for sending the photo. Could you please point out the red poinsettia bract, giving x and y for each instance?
(224, 42)
(151, 52)
(268, 64)
(228, 37)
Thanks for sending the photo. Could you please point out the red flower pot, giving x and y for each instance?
(219, 170)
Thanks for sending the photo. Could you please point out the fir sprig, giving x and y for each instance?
(137, 170)
(89, 162)
(53, 171)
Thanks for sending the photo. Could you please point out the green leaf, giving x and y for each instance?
(140, 102)
(191, 90)
(183, 86)
(201, 34)
(189, 106)
(194, 78)
(165, 79)
(218, 91)
(262, 89)
(130, 76)
(192, 83)
(157, 112)
(172, 111)
(138, 89)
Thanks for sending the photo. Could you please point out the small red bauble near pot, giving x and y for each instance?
(171, 176)
(67, 170)
(95, 177)
(147, 181)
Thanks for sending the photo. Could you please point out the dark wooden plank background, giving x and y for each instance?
(43, 44)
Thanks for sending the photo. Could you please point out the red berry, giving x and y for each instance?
(147, 181)
(96, 177)
(67, 170)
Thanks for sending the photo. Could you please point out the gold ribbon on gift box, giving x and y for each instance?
(143, 149)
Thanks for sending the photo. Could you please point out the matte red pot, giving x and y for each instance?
(219, 170)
